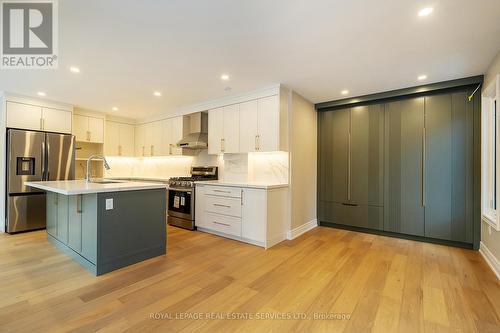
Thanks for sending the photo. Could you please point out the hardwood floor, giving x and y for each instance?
(381, 284)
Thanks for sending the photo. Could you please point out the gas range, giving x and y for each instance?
(197, 174)
(181, 196)
(182, 182)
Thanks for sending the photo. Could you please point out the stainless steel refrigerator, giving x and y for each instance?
(34, 156)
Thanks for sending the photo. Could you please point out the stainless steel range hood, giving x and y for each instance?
(197, 137)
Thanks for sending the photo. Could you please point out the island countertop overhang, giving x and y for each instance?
(75, 187)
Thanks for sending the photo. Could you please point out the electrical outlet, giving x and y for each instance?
(109, 204)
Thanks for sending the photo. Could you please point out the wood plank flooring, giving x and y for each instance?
(348, 281)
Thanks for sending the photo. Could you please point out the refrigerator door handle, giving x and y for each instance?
(47, 164)
(43, 161)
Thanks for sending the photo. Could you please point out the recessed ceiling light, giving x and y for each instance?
(344, 92)
(74, 69)
(114, 108)
(422, 77)
(41, 93)
(425, 11)
(224, 77)
(157, 93)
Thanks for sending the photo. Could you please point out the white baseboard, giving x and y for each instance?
(492, 261)
(294, 233)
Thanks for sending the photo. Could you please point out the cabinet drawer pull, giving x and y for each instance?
(220, 223)
(349, 204)
(152, 150)
(221, 191)
(143, 150)
(119, 150)
(219, 205)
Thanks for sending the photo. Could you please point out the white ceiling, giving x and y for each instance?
(128, 49)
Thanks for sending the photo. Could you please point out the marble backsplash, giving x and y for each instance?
(258, 167)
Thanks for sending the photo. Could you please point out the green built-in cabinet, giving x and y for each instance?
(403, 166)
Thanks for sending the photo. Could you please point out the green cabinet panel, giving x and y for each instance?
(89, 227)
(51, 211)
(75, 223)
(366, 155)
(448, 170)
(340, 154)
(404, 137)
(325, 155)
(62, 218)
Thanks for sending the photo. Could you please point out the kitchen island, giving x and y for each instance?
(107, 225)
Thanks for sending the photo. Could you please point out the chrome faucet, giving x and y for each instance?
(106, 165)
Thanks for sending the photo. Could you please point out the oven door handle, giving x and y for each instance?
(189, 190)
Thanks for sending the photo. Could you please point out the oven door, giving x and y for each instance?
(181, 203)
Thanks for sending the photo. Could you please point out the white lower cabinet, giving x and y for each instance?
(252, 215)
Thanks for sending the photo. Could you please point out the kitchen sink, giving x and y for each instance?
(105, 181)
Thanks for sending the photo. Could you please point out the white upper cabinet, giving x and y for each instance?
(140, 149)
(126, 135)
(112, 139)
(80, 127)
(119, 139)
(96, 130)
(56, 120)
(159, 138)
(155, 139)
(223, 130)
(172, 131)
(24, 116)
(268, 119)
(88, 129)
(32, 117)
(231, 139)
(249, 126)
(215, 131)
(252, 126)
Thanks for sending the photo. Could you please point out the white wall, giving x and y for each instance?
(491, 241)
(303, 157)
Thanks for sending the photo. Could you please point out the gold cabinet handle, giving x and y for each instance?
(143, 150)
(152, 148)
(119, 150)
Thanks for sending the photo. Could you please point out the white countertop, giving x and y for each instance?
(73, 187)
(133, 178)
(262, 185)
